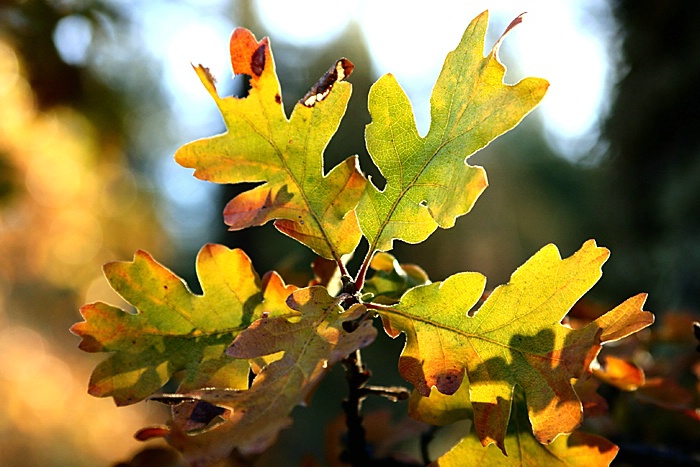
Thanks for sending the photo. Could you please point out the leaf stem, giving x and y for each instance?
(362, 273)
(393, 393)
(341, 267)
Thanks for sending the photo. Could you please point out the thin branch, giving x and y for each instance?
(393, 393)
(357, 453)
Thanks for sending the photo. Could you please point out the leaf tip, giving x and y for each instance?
(248, 55)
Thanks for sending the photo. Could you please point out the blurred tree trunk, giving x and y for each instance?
(654, 135)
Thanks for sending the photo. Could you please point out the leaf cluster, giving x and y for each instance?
(248, 350)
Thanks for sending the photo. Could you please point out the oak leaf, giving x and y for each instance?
(175, 330)
(577, 449)
(515, 338)
(428, 183)
(250, 420)
(262, 145)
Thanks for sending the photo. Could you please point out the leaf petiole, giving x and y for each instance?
(362, 273)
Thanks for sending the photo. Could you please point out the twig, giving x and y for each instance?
(393, 393)
(357, 453)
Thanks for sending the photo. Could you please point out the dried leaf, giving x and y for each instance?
(251, 419)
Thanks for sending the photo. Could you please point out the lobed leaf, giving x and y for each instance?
(251, 419)
(175, 330)
(574, 450)
(515, 338)
(262, 145)
(428, 183)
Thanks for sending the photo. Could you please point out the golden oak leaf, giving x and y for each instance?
(262, 145)
(174, 329)
(515, 338)
(618, 372)
(577, 449)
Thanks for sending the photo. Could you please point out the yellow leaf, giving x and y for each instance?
(174, 329)
(515, 338)
(262, 145)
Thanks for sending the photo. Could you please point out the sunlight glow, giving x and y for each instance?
(560, 41)
(564, 42)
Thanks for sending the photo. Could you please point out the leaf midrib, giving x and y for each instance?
(443, 142)
(467, 335)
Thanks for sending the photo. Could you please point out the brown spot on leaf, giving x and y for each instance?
(278, 98)
(449, 382)
(319, 91)
(257, 62)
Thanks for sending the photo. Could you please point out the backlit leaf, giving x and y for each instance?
(175, 330)
(618, 372)
(575, 450)
(428, 183)
(391, 279)
(251, 419)
(515, 338)
(262, 145)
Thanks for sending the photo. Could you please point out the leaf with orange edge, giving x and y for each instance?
(249, 420)
(618, 372)
(515, 338)
(262, 145)
(175, 330)
(577, 449)
(428, 183)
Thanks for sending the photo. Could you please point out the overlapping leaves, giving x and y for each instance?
(175, 330)
(577, 449)
(428, 183)
(290, 337)
(515, 338)
(262, 145)
(251, 419)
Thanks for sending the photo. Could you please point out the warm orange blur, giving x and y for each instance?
(74, 205)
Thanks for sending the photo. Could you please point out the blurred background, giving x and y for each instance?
(95, 96)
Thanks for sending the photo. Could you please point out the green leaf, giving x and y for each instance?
(175, 330)
(429, 183)
(262, 145)
(251, 419)
(391, 279)
(515, 338)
